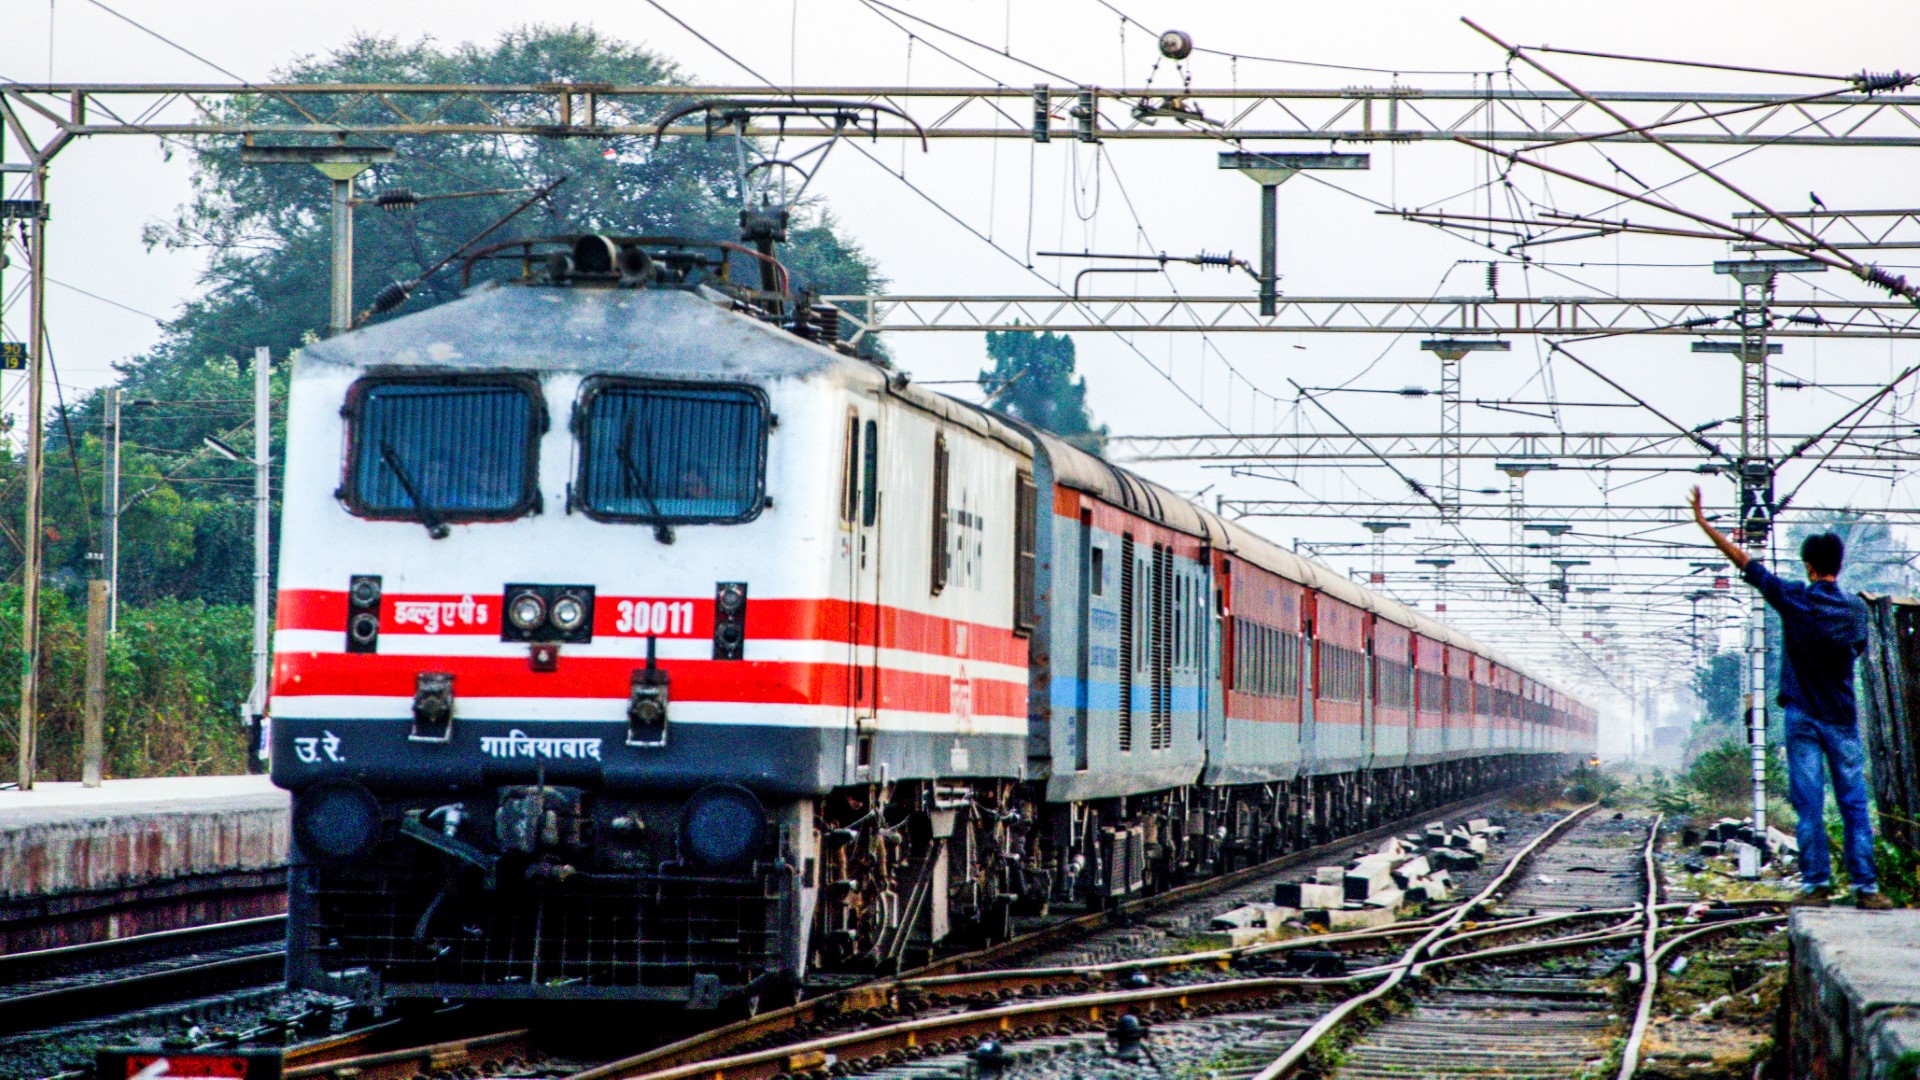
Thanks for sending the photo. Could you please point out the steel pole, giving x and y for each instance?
(28, 732)
(262, 522)
(342, 319)
(110, 508)
(1269, 249)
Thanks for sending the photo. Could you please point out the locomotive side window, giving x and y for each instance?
(440, 450)
(850, 472)
(870, 477)
(942, 553)
(672, 452)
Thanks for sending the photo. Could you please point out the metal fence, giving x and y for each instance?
(1890, 711)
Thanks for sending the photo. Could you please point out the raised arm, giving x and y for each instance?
(1735, 555)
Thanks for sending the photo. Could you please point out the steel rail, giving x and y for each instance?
(952, 1031)
(1296, 1054)
(322, 1060)
(23, 967)
(881, 993)
(24, 1012)
(1649, 942)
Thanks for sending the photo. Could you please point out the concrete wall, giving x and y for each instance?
(1854, 995)
(82, 864)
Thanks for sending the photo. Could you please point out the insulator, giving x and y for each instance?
(396, 199)
(1176, 45)
(1871, 82)
(390, 297)
(1207, 259)
(825, 319)
(1493, 278)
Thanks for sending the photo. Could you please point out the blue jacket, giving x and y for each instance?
(1825, 631)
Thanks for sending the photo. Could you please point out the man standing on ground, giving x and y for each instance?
(1824, 629)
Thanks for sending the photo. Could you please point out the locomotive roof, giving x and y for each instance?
(671, 332)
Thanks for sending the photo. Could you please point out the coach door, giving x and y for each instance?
(860, 522)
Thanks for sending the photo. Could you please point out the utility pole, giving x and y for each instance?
(1379, 530)
(1756, 278)
(27, 733)
(1270, 170)
(1517, 508)
(340, 164)
(93, 718)
(1451, 351)
(262, 523)
(110, 508)
(1439, 581)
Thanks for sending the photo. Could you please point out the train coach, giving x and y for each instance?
(638, 642)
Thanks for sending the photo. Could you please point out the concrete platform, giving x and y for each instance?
(84, 864)
(1854, 994)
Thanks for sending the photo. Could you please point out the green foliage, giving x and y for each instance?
(1588, 783)
(176, 674)
(1671, 799)
(1721, 778)
(266, 236)
(1033, 379)
(1717, 685)
(1876, 560)
(1899, 870)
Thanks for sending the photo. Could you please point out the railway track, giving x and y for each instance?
(52, 986)
(1500, 1009)
(1483, 1000)
(369, 1055)
(971, 1008)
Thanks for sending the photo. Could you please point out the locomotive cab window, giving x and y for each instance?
(443, 450)
(672, 452)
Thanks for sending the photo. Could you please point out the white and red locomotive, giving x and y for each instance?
(635, 642)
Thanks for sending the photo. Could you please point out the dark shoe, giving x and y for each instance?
(1872, 901)
(1818, 896)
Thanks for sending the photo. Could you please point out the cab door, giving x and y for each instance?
(860, 584)
(866, 578)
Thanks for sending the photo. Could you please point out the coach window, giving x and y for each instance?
(1026, 509)
(443, 450)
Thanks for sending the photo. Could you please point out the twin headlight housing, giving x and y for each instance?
(547, 613)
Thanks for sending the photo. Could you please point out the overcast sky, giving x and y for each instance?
(1133, 197)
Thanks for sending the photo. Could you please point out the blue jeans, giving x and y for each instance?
(1814, 749)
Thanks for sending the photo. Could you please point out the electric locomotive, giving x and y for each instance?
(638, 641)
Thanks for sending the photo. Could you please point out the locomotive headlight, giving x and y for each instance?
(527, 612)
(722, 826)
(569, 614)
(335, 820)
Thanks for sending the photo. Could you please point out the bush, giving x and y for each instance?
(1587, 783)
(177, 672)
(1723, 778)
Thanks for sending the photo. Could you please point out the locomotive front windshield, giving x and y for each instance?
(658, 452)
(437, 451)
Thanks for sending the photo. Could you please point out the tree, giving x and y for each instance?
(1033, 380)
(1876, 560)
(267, 237)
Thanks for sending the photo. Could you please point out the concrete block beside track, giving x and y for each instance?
(1854, 993)
(84, 864)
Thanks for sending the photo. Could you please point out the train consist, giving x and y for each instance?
(638, 642)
